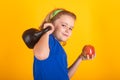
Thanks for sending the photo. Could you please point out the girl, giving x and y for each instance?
(50, 60)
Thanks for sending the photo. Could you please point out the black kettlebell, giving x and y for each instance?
(32, 35)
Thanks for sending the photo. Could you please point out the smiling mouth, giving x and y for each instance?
(65, 35)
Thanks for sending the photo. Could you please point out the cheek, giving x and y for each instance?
(60, 29)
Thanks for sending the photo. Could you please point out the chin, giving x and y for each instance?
(64, 40)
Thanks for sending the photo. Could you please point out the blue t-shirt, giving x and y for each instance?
(55, 66)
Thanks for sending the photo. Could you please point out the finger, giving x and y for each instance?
(47, 24)
(88, 57)
(93, 56)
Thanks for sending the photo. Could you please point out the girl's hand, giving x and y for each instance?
(84, 56)
(88, 52)
(49, 25)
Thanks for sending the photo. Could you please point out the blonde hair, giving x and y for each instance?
(54, 15)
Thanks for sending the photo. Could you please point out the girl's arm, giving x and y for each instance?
(41, 49)
(74, 66)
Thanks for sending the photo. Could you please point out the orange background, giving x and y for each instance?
(98, 23)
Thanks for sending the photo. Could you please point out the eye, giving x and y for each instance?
(71, 29)
(63, 25)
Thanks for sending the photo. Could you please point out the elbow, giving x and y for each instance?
(41, 54)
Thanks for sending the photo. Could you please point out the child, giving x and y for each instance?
(50, 60)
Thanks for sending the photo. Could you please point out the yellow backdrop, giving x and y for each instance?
(98, 24)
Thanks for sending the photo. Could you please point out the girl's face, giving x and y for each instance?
(63, 27)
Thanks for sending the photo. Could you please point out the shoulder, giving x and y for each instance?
(52, 40)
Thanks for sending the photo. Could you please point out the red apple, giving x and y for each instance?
(88, 50)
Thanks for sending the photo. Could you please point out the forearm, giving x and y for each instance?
(41, 48)
(74, 66)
